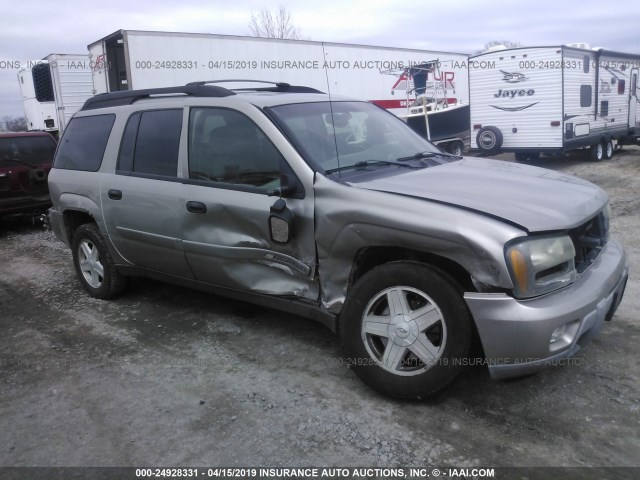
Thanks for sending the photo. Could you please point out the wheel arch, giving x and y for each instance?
(370, 257)
(74, 219)
(77, 210)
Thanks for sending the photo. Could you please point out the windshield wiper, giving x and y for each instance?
(420, 155)
(366, 163)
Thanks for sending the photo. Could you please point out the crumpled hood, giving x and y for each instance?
(535, 198)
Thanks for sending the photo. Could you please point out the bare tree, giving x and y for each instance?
(278, 24)
(13, 124)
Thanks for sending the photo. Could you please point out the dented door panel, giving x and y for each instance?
(229, 244)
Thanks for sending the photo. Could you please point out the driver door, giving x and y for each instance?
(232, 167)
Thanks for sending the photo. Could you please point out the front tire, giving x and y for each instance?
(597, 152)
(406, 330)
(93, 263)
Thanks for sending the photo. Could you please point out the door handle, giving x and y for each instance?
(196, 207)
(115, 194)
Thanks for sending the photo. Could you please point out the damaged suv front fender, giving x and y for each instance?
(349, 219)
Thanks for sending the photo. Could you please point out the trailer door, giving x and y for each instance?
(633, 98)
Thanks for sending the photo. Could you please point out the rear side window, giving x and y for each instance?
(157, 142)
(83, 143)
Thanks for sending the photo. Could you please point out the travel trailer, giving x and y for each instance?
(552, 100)
(53, 89)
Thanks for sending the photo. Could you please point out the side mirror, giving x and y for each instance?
(288, 186)
(280, 222)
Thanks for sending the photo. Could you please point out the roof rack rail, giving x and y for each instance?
(127, 97)
(277, 86)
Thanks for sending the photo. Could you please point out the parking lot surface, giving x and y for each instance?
(169, 376)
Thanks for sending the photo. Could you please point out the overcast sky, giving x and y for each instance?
(33, 29)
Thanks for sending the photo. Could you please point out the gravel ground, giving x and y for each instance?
(173, 377)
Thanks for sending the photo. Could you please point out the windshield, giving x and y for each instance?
(335, 135)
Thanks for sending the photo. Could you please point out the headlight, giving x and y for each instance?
(606, 214)
(540, 265)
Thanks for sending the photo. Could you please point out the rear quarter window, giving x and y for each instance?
(83, 144)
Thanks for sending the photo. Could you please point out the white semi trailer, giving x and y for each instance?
(128, 59)
(53, 89)
(551, 100)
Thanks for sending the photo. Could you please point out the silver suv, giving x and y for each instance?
(334, 209)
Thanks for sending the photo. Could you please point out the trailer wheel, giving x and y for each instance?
(597, 152)
(456, 148)
(608, 149)
(489, 139)
(526, 156)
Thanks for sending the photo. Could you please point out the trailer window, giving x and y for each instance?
(585, 64)
(585, 96)
(620, 86)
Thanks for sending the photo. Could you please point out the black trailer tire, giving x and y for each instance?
(456, 148)
(405, 329)
(608, 149)
(489, 139)
(526, 156)
(596, 152)
(93, 263)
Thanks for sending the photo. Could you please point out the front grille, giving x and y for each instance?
(588, 240)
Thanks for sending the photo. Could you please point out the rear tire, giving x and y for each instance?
(93, 263)
(406, 330)
(608, 149)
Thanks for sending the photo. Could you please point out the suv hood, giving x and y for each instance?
(534, 198)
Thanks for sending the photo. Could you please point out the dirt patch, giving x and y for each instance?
(165, 375)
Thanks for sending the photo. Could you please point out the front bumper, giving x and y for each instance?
(516, 334)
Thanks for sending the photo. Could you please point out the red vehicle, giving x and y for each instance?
(25, 161)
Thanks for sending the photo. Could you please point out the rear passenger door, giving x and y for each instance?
(142, 201)
(232, 167)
